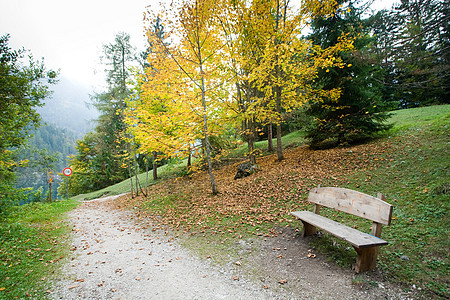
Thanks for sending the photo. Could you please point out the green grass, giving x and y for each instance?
(419, 117)
(291, 139)
(33, 242)
(415, 179)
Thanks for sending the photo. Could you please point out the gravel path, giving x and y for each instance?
(116, 259)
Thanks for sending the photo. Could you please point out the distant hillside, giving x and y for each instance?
(68, 108)
(58, 142)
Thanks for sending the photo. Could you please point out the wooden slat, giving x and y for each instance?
(353, 202)
(356, 238)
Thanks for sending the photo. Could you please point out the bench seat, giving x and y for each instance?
(356, 238)
(355, 203)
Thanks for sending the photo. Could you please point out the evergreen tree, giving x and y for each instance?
(358, 112)
(101, 158)
(413, 47)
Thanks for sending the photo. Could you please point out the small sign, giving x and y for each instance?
(49, 177)
(67, 171)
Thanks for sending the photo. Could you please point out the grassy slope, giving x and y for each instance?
(33, 240)
(169, 171)
(415, 179)
(409, 165)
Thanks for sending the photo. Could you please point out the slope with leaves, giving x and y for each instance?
(268, 196)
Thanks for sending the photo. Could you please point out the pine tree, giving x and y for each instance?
(102, 157)
(358, 112)
(412, 42)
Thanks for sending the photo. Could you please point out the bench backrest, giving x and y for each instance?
(353, 202)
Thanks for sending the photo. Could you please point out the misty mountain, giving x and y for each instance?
(68, 107)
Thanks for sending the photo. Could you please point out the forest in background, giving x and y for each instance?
(214, 80)
(47, 151)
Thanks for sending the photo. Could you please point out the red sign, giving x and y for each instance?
(67, 171)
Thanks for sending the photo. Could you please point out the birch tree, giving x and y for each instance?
(192, 79)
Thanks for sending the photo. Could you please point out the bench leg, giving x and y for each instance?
(367, 259)
(308, 229)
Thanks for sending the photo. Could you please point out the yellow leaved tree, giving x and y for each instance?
(226, 62)
(274, 65)
(183, 95)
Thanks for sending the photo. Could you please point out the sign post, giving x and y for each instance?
(67, 172)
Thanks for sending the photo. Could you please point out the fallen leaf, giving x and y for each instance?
(73, 286)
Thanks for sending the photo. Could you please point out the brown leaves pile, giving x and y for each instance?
(267, 196)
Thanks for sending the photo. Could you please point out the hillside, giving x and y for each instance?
(409, 165)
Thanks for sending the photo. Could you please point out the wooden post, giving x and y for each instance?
(317, 208)
(366, 260)
(50, 191)
(308, 229)
(376, 231)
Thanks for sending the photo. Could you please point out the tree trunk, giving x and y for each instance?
(146, 175)
(205, 129)
(278, 90)
(248, 125)
(155, 165)
(279, 144)
(189, 162)
(136, 168)
(131, 180)
(251, 141)
(270, 138)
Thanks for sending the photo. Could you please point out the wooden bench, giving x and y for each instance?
(355, 203)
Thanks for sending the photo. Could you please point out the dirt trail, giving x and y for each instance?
(114, 258)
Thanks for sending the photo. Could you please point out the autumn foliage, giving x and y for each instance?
(213, 66)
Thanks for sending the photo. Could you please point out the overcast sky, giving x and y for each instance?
(70, 34)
